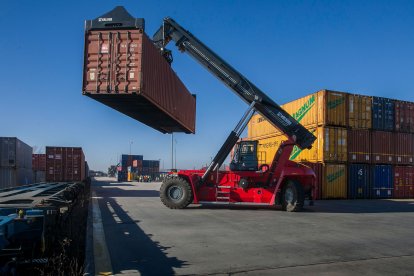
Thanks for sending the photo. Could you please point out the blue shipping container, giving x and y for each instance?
(150, 163)
(126, 159)
(383, 113)
(359, 178)
(122, 176)
(382, 181)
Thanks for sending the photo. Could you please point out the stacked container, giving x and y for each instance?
(404, 150)
(365, 136)
(323, 113)
(15, 162)
(134, 166)
(360, 146)
(130, 165)
(65, 164)
(39, 167)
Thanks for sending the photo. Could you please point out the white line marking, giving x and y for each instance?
(102, 258)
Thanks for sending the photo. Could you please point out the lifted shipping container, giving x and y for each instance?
(125, 71)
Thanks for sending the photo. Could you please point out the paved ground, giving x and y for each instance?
(140, 235)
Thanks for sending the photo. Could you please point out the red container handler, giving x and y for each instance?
(404, 148)
(404, 116)
(383, 147)
(318, 169)
(65, 164)
(359, 146)
(403, 182)
(125, 71)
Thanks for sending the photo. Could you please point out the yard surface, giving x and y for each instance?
(134, 233)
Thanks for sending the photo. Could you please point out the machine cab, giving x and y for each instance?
(245, 156)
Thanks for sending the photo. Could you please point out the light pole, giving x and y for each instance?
(172, 150)
(175, 153)
(130, 146)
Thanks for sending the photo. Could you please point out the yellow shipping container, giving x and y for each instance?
(334, 181)
(323, 108)
(359, 111)
(330, 146)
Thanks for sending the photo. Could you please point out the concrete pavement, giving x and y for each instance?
(374, 237)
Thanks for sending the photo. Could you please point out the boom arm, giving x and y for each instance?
(185, 41)
(259, 101)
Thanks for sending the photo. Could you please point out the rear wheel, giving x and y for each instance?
(293, 196)
(176, 193)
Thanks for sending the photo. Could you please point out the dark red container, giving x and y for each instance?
(359, 146)
(404, 116)
(404, 148)
(124, 70)
(382, 146)
(65, 164)
(318, 169)
(403, 182)
(39, 162)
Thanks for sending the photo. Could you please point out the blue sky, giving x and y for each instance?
(287, 48)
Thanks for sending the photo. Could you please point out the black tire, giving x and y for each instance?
(293, 196)
(176, 193)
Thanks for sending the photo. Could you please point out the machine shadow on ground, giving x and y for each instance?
(328, 206)
(360, 206)
(117, 192)
(133, 249)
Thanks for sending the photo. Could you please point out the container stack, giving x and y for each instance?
(364, 144)
(65, 164)
(39, 168)
(15, 163)
(130, 164)
(134, 166)
(404, 150)
(151, 168)
(324, 114)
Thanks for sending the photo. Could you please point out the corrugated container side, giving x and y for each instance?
(122, 176)
(130, 160)
(383, 114)
(382, 181)
(323, 108)
(65, 164)
(15, 153)
(334, 182)
(124, 70)
(359, 111)
(359, 179)
(12, 177)
(383, 147)
(184, 107)
(39, 162)
(359, 146)
(318, 169)
(258, 126)
(403, 182)
(404, 148)
(39, 176)
(404, 116)
(305, 110)
(334, 103)
(330, 146)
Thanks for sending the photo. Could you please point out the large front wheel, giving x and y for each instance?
(176, 193)
(293, 196)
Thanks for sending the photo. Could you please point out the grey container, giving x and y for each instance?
(15, 153)
(39, 176)
(12, 177)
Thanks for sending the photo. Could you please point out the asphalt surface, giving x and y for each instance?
(141, 236)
